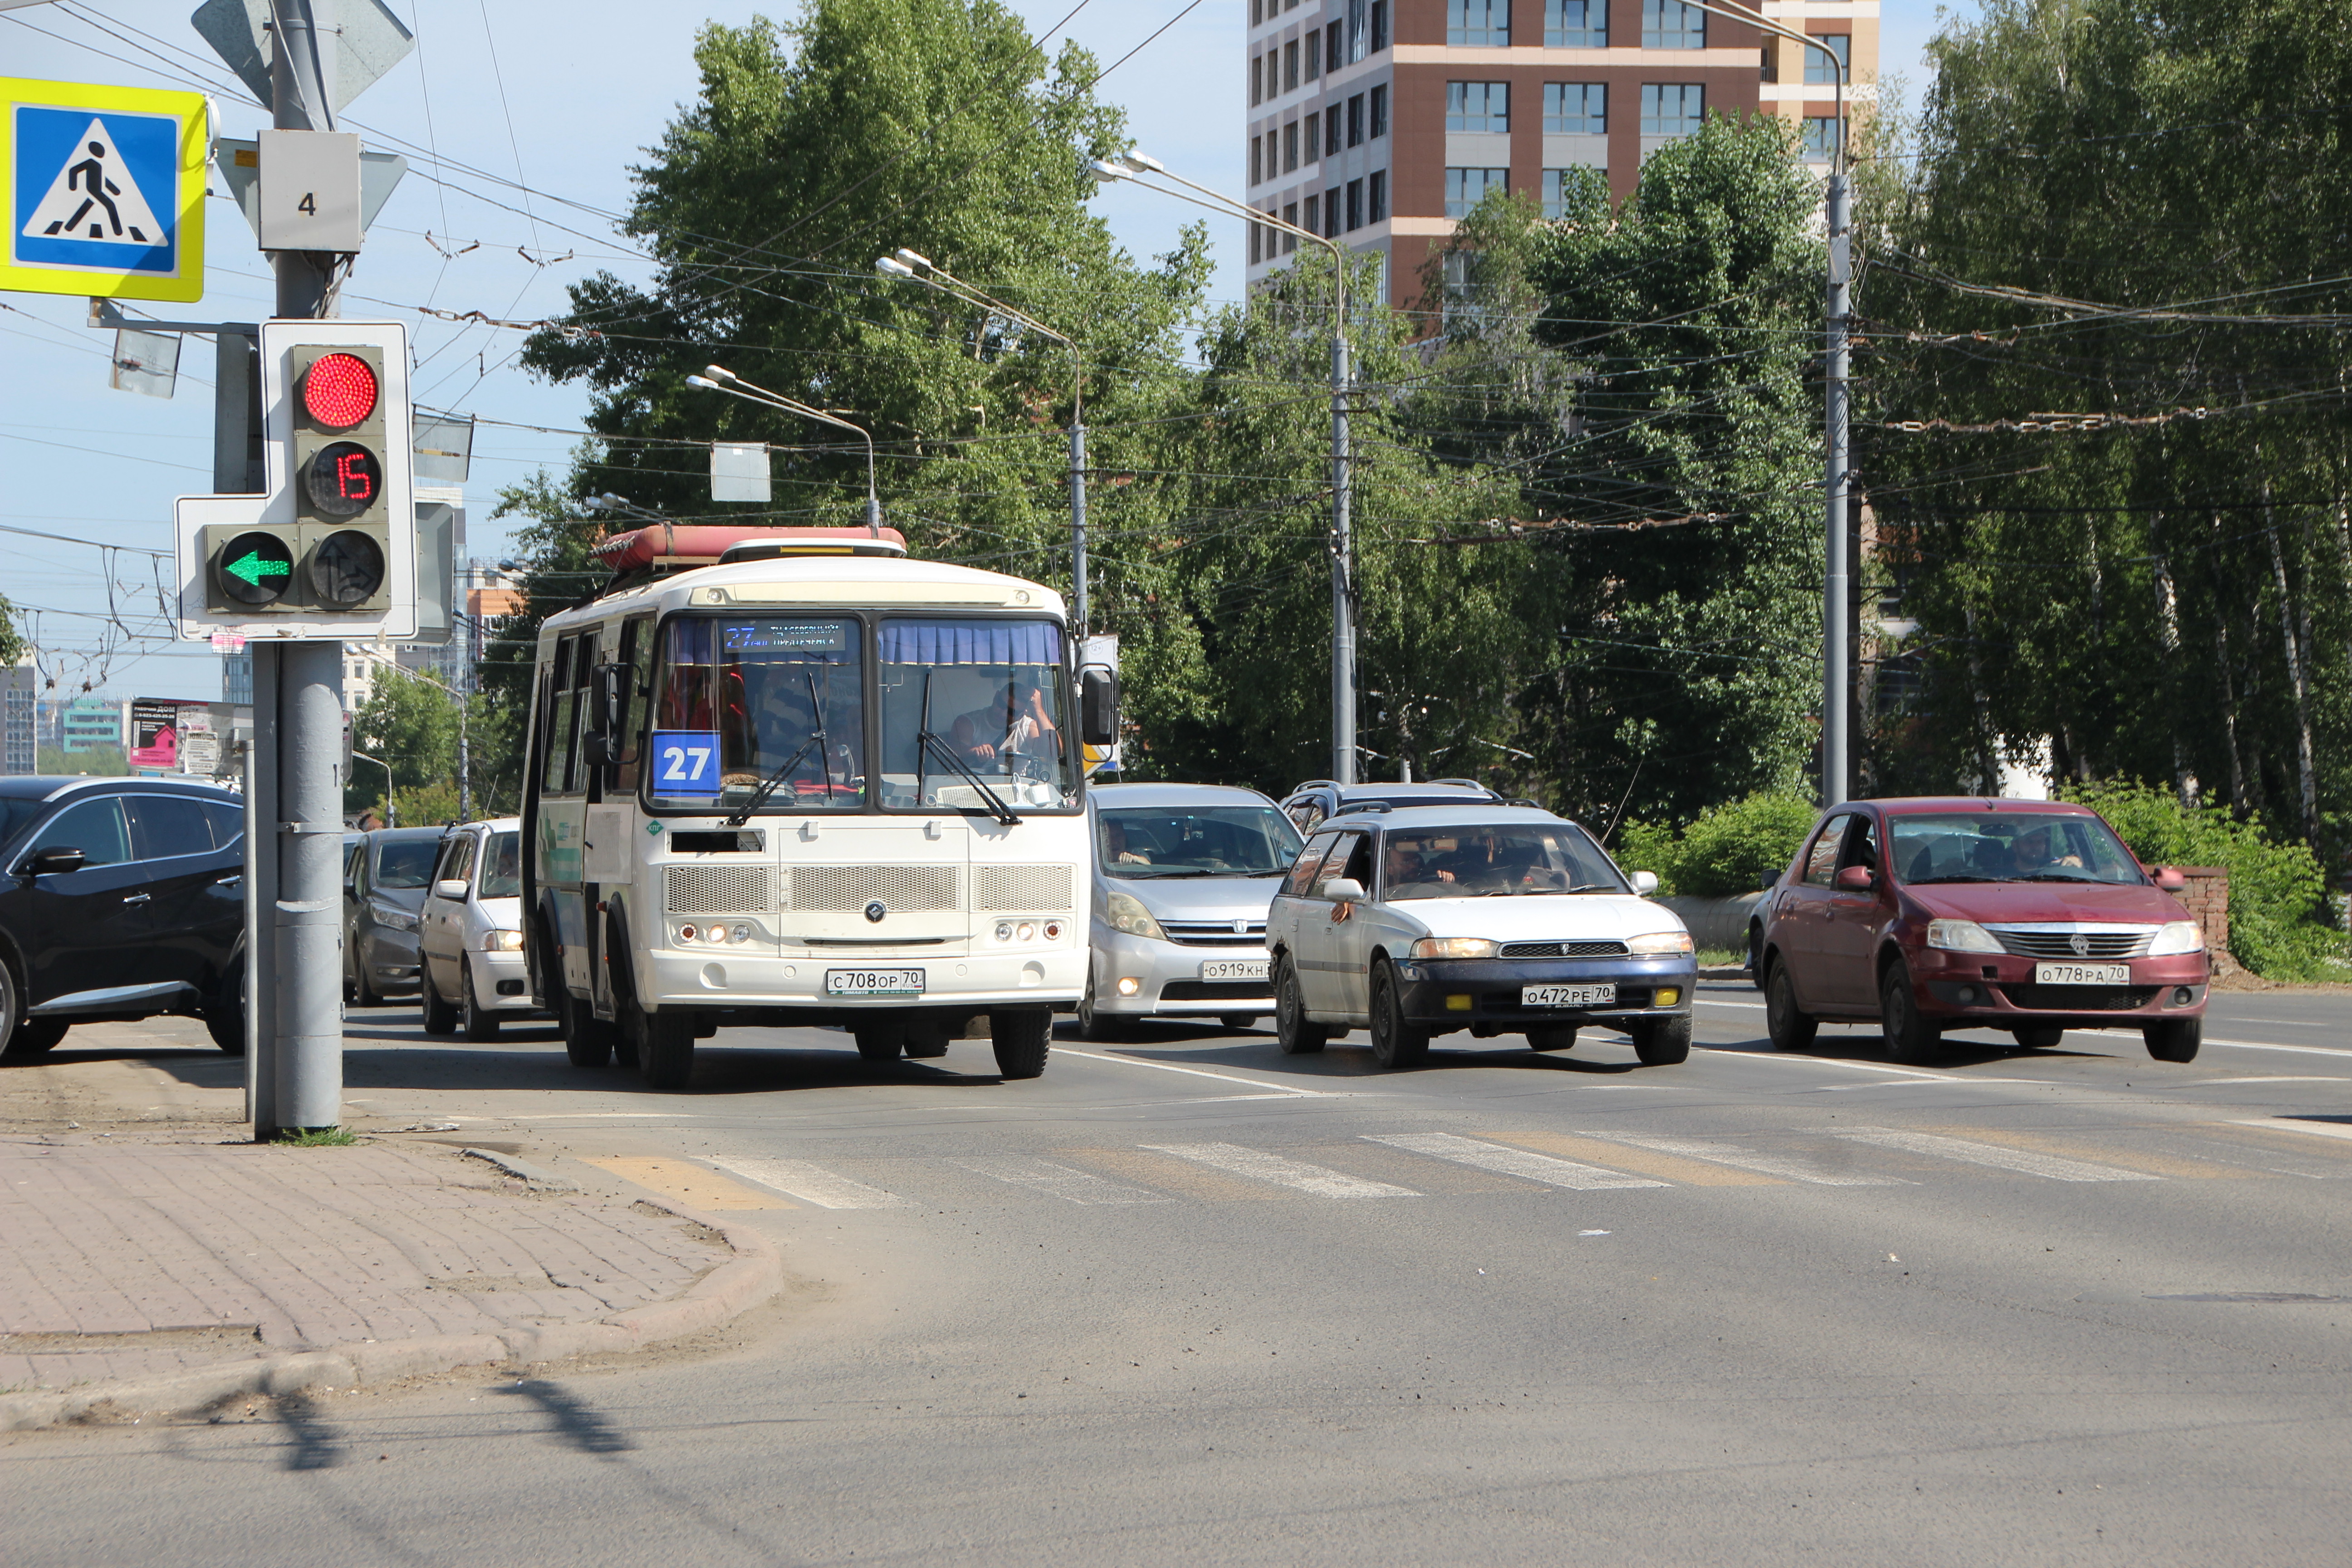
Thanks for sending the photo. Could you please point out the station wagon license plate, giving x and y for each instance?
(873, 983)
(1232, 968)
(1567, 996)
(2082, 975)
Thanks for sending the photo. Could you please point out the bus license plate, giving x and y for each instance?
(1567, 996)
(1232, 968)
(873, 983)
(2082, 975)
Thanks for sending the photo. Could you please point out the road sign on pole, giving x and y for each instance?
(105, 192)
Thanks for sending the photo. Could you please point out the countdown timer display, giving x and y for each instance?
(344, 480)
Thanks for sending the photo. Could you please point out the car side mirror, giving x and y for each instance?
(55, 862)
(2169, 880)
(1098, 706)
(449, 887)
(1343, 889)
(1645, 882)
(1856, 879)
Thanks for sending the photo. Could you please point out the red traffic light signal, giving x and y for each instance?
(339, 390)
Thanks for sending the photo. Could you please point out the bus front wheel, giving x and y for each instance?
(665, 1043)
(1020, 1041)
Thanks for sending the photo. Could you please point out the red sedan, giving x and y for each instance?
(2024, 916)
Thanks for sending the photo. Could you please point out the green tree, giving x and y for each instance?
(411, 726)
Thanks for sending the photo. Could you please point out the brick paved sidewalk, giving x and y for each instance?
(125, 1260)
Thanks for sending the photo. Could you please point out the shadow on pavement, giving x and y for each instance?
(1352, 1057)
(316, 1445)
(570, 1418)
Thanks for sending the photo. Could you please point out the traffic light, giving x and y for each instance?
(330, 551)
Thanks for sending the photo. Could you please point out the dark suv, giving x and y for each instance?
(1317, 799)
(120, 899)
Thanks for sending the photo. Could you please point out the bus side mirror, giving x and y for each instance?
(608, 699)
(1098, 706)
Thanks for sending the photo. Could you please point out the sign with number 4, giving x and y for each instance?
(685, 763)
(309, 190)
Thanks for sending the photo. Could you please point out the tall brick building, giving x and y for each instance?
(1384, 120)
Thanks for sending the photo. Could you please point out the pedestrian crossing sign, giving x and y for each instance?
(105, 190)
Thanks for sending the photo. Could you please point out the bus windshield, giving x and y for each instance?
(993, 700)
(785, 697)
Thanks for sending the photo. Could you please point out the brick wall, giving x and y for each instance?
(2207, 900)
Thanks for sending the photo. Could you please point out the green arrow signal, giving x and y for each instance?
(252, 568)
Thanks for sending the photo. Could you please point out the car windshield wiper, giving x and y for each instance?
(817, 740)
(1950, 877)
(928, 744)
(2059, 877)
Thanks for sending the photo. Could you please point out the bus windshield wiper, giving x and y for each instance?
(928, 745)
(769, 785)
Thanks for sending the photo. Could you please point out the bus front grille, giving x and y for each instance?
(1022, 889)
(719, 890)
(901, 889)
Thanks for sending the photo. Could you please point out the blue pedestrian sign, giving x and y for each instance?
(685, 763)
(105, 190)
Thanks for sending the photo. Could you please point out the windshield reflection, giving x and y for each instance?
(2009, 847)
(1137, 842)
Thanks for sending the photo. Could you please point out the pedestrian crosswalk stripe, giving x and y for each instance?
(813, 1183)
(2179, 1167)
(2298, 1124)
(689, 1183)
(1670, 1169)
(1261, 1167)
(2025, 1162)
(1058, 1180)
(1534, 1167)
(1793, 1167)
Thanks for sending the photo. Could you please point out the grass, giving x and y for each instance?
(1709, 957)
(316, 1138)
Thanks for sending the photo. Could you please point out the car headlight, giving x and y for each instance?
(1659, 941)
(1453, 947)
(1961, 936)
(1126, 913)
(398, 920)
(502, 941)
(2177, 936)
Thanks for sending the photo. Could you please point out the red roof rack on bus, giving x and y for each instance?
(663, 549)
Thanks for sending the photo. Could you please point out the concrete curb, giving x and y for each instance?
(751, 1275)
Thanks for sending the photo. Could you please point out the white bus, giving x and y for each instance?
(788, 777)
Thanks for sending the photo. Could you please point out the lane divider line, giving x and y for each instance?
(1197, 1072)
(1523, 1162)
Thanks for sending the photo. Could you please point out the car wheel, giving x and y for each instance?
(1237, 1022)
(2039, 1039)
(1022, 1041)
(225, 1017)
(927, 1041)
(1396, 1041)
(472, 1022)
(35, 1037)
(1663, 1042)
(1790, 1030)
(1756, 956)
(363, 994)
(440, 1017)
(587, 1040)
(1291, 1031)
(1552, 1038)
(1099, 1026)
(2175, 1039)
(882, 1040)
(1910, 1037)
(665, 1046)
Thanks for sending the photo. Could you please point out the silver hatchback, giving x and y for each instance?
(1183, 876)
(470, 932)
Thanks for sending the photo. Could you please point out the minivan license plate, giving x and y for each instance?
(1567, 996)
(1232, 968)
(2082, 975)
(873, 983)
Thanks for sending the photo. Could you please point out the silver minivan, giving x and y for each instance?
(1183, 877)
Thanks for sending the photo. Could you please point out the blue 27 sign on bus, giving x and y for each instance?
(105, 190)
(686, 761)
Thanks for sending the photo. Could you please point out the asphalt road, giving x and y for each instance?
(1187, 1299)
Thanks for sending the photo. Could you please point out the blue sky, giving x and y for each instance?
(556, 96)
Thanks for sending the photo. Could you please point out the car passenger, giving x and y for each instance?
(1115, 847)
(2033, 852)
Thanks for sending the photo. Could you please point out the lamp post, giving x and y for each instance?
(391, 807)
(910, 265)
(719, 378)
(1134, 166)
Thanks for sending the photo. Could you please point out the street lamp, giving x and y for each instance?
(391, 807)
(918, 269)
(1134, 166)
(719, 378)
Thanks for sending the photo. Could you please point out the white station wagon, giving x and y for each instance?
(1494, 919)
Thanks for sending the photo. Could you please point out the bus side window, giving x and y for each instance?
(637, 653)
(584, 680)
(559, 721)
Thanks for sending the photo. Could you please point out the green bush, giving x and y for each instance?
(2277, 892)
(1726, 850)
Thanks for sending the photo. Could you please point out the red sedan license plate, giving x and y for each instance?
(2082, 975)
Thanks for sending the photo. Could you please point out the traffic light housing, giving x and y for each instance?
(330, 550)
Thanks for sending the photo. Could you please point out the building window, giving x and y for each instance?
(1257, 166)
(1672, 25)
(1289, 240)
(1355, 121)
(1478, 24)
(1314, 62)
(1358, 18)
(1291, 65)
(1257, 12)
(1380, 111)
(1380, 25)
(1822, 138)
(1672, 109)
(1376, 197)
(1307, 215)
(1818, 70)
(1556, 183)
(1334, 49)
(1464, 188)
(1355, 206)
(1478, 106)
(1576, 23)
(1331, 130)
(1290, 147)
(1332, 212)
(1257, 74)
(1576, 108)
(1255, 241)
(1313, 123)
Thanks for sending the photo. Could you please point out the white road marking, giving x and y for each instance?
(1197, 1072)
(1535, 1167)
(1058, 1180)
(2112, 1033)
(2290, 1124)
(1261, 1167)
(2025, 1162)
(812, 1184)
(1795, 1168)
(1799, 1058)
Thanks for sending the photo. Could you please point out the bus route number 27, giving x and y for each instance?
(686, 761)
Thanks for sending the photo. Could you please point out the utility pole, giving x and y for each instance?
(1837, 653)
